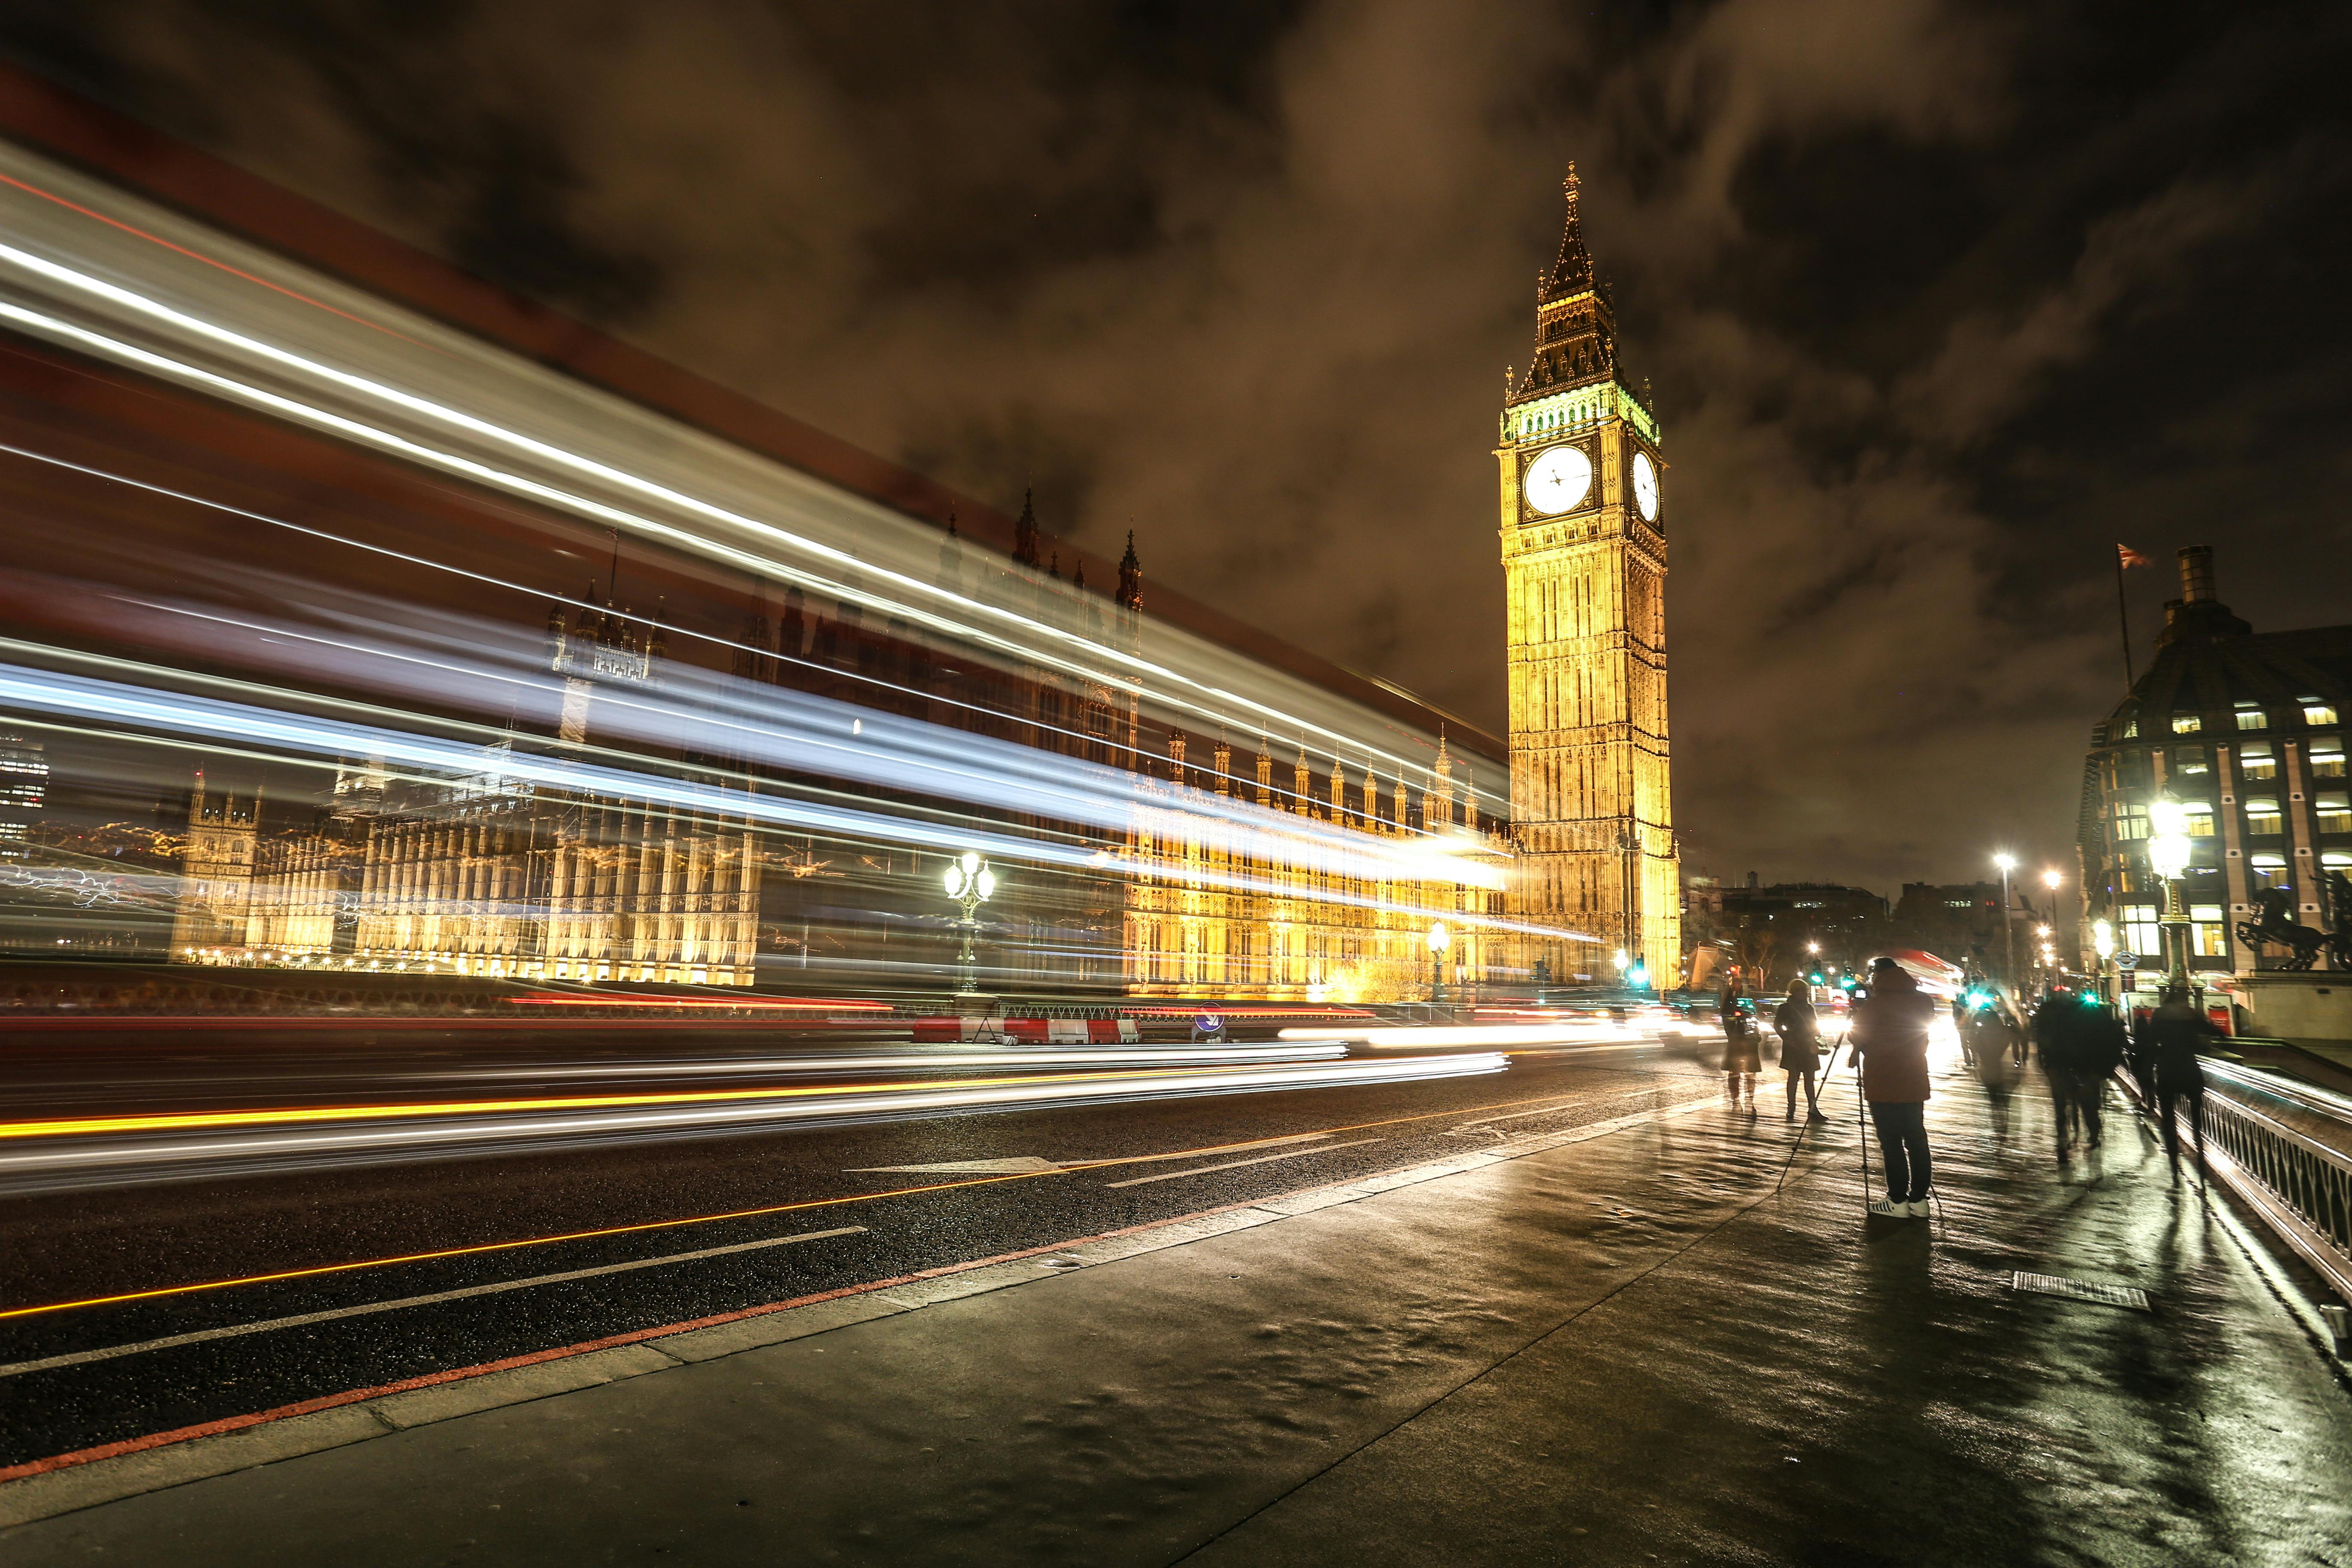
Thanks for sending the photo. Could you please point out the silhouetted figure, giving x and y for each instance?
(2170, 1038)
(1800, 1029)
(2057, 1039)
(1890, 1036)
(1743, 1055)
(1997, 1072)
(2099, 1047)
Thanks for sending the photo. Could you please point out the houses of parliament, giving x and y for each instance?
(1251, 868)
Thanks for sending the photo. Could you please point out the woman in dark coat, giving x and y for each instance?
(1743, 1055)
(1800, 1029)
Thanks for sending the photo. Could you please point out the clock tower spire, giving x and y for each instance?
(1584, 566)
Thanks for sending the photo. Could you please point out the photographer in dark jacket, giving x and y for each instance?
(1890, 1036)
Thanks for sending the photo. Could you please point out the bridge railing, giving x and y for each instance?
(2285, 1149)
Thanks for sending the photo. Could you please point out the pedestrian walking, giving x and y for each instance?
(2100, 1045)
(1890, 1036)
(1996, 1073)
(2141, 1066)
(1743, 1054)
(2173, 1034)
(2055, 1037)
(1800, 1029)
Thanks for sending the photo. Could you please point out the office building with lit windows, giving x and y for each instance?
(2245, 730)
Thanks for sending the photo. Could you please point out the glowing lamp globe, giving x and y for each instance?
(1439, 939)
(2167, 854)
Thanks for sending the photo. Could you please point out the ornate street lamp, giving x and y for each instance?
(2168, 856)
(969, 882)
(1440, 941)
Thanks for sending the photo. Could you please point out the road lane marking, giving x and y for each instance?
(1569, 1102)
(1234, 1164)
(1016, 1165)
(1196, 1154)
(200, 1336)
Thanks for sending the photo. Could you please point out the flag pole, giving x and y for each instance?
(2123, 620)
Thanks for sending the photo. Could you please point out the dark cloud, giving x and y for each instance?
(1939, 301)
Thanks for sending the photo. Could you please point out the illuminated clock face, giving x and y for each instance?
(1646, 487)
(1559, 480)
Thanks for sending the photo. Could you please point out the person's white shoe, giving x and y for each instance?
(1888, 1208)
(1917, 1208)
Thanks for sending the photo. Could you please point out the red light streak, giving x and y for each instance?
(543, 999)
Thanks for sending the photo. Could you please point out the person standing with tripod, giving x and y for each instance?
(1890, 1038)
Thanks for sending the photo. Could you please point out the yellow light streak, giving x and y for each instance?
(176, 1121)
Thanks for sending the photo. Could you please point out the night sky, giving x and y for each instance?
(1939, 302)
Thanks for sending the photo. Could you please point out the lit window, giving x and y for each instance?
(2210, 933)
(2262, 819)
(2318, 713)
(2131, 730)
(2188, 723)
(2334, 811)
(2266, 871)
(2326, 756)
(2198, 815)
(2336, 861)
(2141, 934)
(2256, 761)
(2191, 760)
(2252, 718)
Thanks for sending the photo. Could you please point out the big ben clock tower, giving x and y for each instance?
(1584, 499)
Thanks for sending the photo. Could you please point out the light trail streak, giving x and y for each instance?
(953, 1056)
(661, 1003)
(1490, 1036)
(293, 1114)
(436, 759)
(1069, 644)
(1061, 1168)
(68, 1153)
(494, 376)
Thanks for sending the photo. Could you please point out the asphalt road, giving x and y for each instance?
(698, 1225)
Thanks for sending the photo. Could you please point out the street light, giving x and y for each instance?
(2168, 856)
(2007, 863)
(1440, 939)
(969, 883)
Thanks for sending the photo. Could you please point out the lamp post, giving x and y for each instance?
(969, 883)
(1440, 941)
(2007, 863)
(2168, 856)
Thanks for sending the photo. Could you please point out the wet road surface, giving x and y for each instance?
(680, 1228)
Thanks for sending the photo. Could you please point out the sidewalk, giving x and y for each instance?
(1621, 1348)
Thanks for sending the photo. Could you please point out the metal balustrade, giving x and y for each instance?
(2286, 1148)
